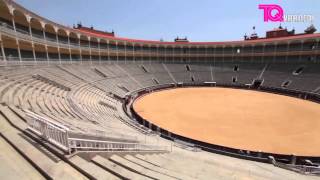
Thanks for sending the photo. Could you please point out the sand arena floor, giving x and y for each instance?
(242, 119)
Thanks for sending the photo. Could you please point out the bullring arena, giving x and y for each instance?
(241, 119)
(81, 103)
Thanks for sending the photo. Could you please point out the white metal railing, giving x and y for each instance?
(303, 169)
(60, 136)
(96, 145)
(49, 130)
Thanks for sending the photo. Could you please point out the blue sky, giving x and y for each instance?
(199, 20)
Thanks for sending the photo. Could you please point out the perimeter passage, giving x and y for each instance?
(242, 119)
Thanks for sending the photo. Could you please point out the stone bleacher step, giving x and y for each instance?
(41, 160)
(116, 169)
(138, 168)
(139, 156)
(14, 166)
(155, 168)
(92, 169)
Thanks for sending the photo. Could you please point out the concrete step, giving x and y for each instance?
(118, 170)
(48, 164)
(14, 166)
(138, 168)
(92, 169)
(155, 168)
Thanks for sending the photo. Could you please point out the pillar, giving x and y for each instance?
(108, 50)
(287, 53)
(125, 53)
(19, 51)
(80, 50)
(275, 52)
(58, 45)
(165, 54)
(117, 49)
(99, 51)
(133, 53)
(2, 49)
(150, 54)
(47, 53)
(263, 52)
(34, 53)
(301, 49)
(69, 45)
(90, 51)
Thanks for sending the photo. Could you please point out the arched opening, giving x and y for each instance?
(104, 51)
(153, 53)
(95, 51)
(36, 28)
(112, 50)
(121, 51)
(21, 22)
(10, 48)
(26, 51)
(295, 47)
(145, 53)
(62, 36)
(75, 54)
(84, 41)
(53, 53)
(94, 43)
(5, 16)
(74, 40)
(40, 52)
(50, 33)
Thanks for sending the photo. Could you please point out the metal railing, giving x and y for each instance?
(60, 136)
(51, 131)
(303, 169)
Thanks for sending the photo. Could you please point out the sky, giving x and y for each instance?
(198, 20)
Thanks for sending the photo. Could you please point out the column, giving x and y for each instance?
(19, 51)
(206, 54)
(158, 54)
(133, 53)
(99, 51)
(301, 49)
(58, 45)
(117, 49)
(189, 53)
(34, 53)
(263, 52)
(223, 48)
(2, 49)
(45, 39)
(90, 51)
(17, 41)
(252, 53)
(181, 54)
(214, 55)
(275, 52)
(69, 45)
(108, 51)
(14, 25)
(165, 54)
(316, 50)
(47, 53)
(125, 53)
(79, 42)
(287, 53)
(150, 54)
(197, 53)
(31, 35)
